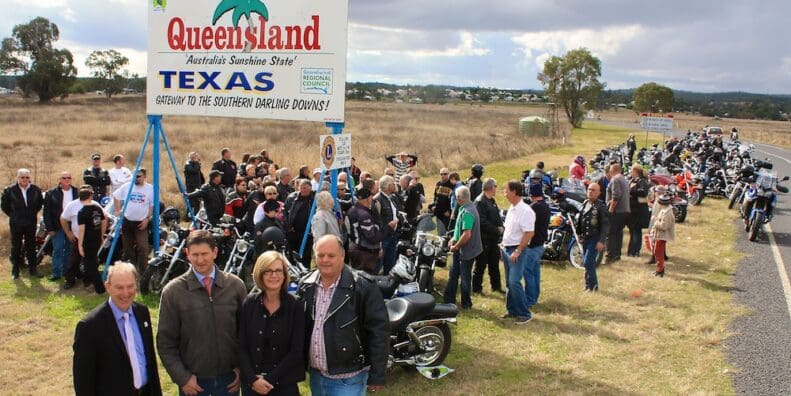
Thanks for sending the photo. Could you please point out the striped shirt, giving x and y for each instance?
(318, 352)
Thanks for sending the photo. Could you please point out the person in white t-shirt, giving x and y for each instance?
(519, 230)
(134, 228)
(68, 222)
(120, 174)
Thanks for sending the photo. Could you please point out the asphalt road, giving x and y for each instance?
(760, 349)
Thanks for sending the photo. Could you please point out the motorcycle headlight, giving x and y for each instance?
(243, 246)
(173, 238)
(428, 249)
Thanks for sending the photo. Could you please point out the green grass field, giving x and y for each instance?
(638, 335)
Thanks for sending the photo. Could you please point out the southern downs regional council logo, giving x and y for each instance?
(259, 33)
(316, 81)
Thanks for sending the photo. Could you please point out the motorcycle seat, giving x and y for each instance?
(403, 310)
(445, 311)
(387, 284)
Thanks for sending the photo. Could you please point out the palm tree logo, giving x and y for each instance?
(240, 8)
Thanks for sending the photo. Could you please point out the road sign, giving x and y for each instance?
(659, 124)
(248, 58)
(336, 151)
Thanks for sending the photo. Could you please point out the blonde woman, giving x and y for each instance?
(271, 332)
(324, 221)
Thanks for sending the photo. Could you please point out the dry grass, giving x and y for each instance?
(666, 341)
(777, 133)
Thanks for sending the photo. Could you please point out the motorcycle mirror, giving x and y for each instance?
(782, 189)
(785, 178)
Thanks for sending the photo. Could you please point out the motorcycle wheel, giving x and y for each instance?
(151, 281)
(681, 214)
(575, 256)
(695, 198)
(755, 226)
(734, 196)
(435, 341)
(46, 248)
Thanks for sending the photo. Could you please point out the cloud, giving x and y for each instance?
(378, 40)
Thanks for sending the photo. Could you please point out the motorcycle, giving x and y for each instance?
(169, 262)
(691, 185)
(273, 238)
(762, 196)
(661, 177)
(43, 242)
(420, 334)
(241, 258)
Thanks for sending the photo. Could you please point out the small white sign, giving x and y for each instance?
(659, 124)
(336, 151)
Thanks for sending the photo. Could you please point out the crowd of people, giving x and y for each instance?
(263, 343)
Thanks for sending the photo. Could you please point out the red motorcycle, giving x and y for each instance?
(691, 185)
(679, 202)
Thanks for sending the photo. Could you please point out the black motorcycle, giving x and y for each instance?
(170, 261)
(419, 330)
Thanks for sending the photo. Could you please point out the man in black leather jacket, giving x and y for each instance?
(491, 233)
(21, 202)
(97, 177)
(346, 323)
(213, 197)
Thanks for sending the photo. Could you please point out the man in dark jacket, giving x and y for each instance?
(386, 203)
(213, 197)
(347, 325)
(365, 233)
(442, 193)
(284, 188)
(114, 343)
(227, 167)
(297, 215)
(593, 227)
(410, 197)
(97, 177)
(491, 232)
(198, 328)
(21, 202)
(474, 182)
(54, 202)
(193, 178)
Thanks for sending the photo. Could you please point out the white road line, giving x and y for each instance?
(775, 155)
(780, 268)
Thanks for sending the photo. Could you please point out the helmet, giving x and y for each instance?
(170, 214)
(747, 170)
(556, 220)
(664, 199)
(477, 170)
(273, 238)
(580, 160)
(536, 175)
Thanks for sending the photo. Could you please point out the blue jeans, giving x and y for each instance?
(589, 254)
(324, 386)
(461, 268)
(515, 298)
(60, 253)
(217, 386)
(532, 274)
(389, 252)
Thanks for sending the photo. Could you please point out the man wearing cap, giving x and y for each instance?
(365, 233)
(213, 197)
(54, 203)
(97, 177)
(227, 167)
(134, 228)
(535, 249)
(314, 183)
(21, 202)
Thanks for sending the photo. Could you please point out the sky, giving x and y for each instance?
(698, 45)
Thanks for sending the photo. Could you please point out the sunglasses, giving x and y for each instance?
(66, 178)
(24, 177)
(443, 174)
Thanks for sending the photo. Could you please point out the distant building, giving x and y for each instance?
(5, 91)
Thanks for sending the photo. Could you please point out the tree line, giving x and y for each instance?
(49, 72)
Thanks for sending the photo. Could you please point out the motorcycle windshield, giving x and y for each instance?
(766, 180)
(425, 224)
